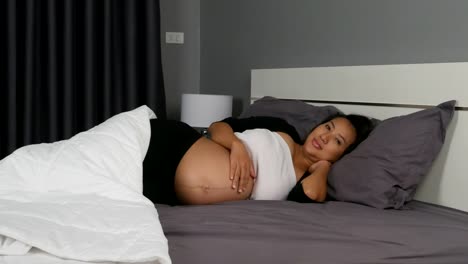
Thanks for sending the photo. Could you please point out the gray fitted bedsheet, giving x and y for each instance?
(334, 232)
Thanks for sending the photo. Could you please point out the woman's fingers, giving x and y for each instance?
(247, 174)
(242, 184)
(235, 176)
(241, 168)
(232, 172)
(252, 170)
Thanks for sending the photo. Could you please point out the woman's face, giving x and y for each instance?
(329, 140)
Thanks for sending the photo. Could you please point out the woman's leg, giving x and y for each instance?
(202, 176)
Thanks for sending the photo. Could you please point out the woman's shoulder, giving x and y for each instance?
(288, 139)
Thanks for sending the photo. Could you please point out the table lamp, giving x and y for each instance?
(200, 110)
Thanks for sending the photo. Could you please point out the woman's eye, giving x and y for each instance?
(338, 141)
(327, 126)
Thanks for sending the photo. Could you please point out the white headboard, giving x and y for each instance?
(383, 91)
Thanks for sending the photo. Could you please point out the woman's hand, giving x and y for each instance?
(324, 164)
(315, 185)
(242, 169)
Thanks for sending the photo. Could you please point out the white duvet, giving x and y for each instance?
(81, 198)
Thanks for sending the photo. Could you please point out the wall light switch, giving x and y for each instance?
(175, 37)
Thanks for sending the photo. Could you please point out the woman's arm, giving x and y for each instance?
(223, 134)
(314, 187)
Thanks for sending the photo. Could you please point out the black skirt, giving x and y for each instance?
(169, 142)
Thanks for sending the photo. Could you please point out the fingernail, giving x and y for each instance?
(233, 186)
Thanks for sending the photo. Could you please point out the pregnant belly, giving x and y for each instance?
(202, 176)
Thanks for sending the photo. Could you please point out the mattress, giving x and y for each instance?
(333, 232)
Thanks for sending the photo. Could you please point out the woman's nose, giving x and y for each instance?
(324, 138)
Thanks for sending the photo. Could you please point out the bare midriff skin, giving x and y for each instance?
(202, 176)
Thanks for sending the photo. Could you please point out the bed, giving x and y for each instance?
(433, 228)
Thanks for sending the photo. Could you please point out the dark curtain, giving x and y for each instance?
(67, 65)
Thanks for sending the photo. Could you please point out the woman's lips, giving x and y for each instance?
(316, 144)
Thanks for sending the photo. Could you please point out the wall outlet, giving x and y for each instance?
(175, 37)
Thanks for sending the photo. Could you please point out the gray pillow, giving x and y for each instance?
(300, 115)
(385, 170)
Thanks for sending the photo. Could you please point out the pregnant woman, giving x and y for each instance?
(257, 158)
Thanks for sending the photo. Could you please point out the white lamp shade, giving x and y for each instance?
(200, 110)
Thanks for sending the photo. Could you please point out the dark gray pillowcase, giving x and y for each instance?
(385, 170)
(304, 117)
